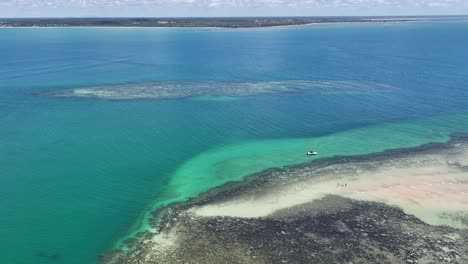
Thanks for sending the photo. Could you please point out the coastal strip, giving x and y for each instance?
(195, 22)
(397, 206)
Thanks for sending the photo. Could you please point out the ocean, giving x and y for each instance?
(80, 175)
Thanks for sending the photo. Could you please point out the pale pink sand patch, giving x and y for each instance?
(429, 192)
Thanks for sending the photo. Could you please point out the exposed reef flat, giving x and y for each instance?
(173, 90)
(399, 206)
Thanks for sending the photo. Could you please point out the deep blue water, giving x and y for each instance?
(76, 174)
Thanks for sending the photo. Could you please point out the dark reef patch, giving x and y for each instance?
(50, 255)
(341, 231)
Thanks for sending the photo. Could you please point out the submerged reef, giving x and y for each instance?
(398, 206)
(48, 255)
(173, 90)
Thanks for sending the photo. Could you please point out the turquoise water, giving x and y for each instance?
(78, 175)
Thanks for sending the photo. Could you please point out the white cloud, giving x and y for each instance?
(109, 8)
(234, 3)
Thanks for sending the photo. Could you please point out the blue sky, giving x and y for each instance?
(159, 8)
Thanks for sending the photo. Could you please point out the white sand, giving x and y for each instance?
(427, 192)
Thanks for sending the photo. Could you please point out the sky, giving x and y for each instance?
(195, 8)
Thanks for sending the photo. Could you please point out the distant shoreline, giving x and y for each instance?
(227, 28)
(219, 28)
(207, 23)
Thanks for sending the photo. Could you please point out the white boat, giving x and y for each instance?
(312, 153)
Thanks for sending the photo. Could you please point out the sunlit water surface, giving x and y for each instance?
(78, 174)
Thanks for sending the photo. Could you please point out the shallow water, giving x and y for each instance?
(77, 175)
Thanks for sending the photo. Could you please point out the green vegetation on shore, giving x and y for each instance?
(224, 22)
